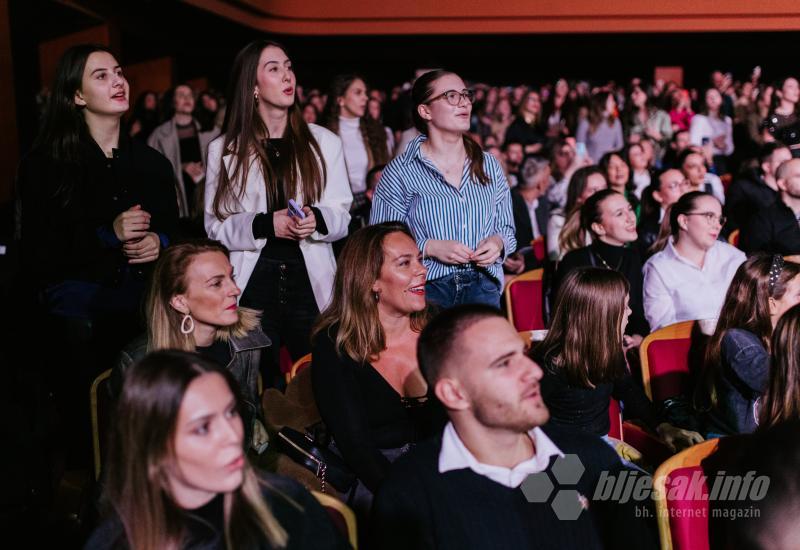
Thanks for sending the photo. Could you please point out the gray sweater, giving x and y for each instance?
(605, 138)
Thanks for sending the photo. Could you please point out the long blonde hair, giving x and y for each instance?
(169, 279)
(360, 334)
(142, 450)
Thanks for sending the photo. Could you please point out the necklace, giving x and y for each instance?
(605, 263)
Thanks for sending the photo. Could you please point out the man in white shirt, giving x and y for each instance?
(463, 490)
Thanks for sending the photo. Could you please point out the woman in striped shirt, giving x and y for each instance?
(452, 195)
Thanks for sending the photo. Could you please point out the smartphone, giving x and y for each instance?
(295, 210)
(580, 149)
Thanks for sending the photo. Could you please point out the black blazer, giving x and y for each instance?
(524, 229)
(773, 229)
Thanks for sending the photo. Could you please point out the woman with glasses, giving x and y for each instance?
(454, 197)
(688, 278)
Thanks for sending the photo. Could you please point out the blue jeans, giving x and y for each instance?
(463, 287)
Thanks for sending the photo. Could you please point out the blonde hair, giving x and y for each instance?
(169, 279)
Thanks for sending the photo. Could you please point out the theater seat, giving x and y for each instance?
(733, 238)
(100, 403)
(664, 355)
(341, 516)
(524, 300)
(298, 365)
(682, 520)
(539, 248)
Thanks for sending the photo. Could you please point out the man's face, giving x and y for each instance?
(514, 154)
(790, 183)
(778, 157)
(500, 382)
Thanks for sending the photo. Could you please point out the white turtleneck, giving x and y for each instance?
(355, 153)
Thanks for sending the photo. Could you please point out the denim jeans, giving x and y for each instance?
(467, 286)
(282, 291)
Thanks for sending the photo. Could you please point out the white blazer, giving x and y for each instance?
(236, 230)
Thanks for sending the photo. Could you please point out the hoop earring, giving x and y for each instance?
(184, 329)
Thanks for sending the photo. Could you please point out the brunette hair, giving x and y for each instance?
(781, 401)
(597, 106)
(421, 93)
(590, 210)
(168, 280)
(142, 449)
(588, 297)
(746, 307)
(669, 225)
(605, 161)
(371, 130)
(63, 125)
(353, 306)
(243, 131)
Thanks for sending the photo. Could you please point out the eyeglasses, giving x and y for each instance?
(454, 97)
(711, 217)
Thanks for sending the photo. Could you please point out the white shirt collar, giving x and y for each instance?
(454, 455)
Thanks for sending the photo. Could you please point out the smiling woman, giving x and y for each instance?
(178, 476)
(367, 384)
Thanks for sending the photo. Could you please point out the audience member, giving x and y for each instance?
(512, 157)
(601, 131)
(208, 111)
(144, 118)
(563, 164)
(284, 262)
(619, 177)
(783, 108)
(712, 129)
(670, 186)
(644, 119)
(454, 197)
(527, 126)
(780, 402)
(680, 113)
(531, 210)
(693, 165)
(191, 306)
(775, 228)
(736, 365)
(688, 278)
(184, 143)
(366, 380)
(639, 166)
(462, 489)
(756, 189)
(178, 475)
(611, 221)
(584, 369)
(564, 228)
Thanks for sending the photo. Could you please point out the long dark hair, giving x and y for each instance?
(781, 401)
(243, 130)
(421, 92)
(63, 124)
(597, 106)
(142, 450)
(588, 297)
(371, 130)
(746, 307)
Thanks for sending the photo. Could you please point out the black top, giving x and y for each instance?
(263, 226)
(363, 412)
(296, 510)
(520, 131)
(219, 352)
(619, 258)
(418, 507)
(773, 229)
(745, 197)
(74, 240)
(648, 230)
(586, 409)
(524, 229)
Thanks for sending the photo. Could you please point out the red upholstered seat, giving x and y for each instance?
(665, 361)
(688, 509)
(524, 301)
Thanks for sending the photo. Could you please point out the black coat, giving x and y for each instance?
(524, 229)
(773, 229)
(744, 198)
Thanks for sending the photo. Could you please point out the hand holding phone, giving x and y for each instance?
(295, 210)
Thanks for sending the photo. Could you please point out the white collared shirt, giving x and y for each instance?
(677, 290)
(454, 455)
(532, 206)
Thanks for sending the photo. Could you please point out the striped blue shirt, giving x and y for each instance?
(412, 190)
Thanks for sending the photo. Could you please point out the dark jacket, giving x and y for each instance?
(625, 260)
(745, 197)
(744, 376)
(648, 229)
(295, 509)
(773, 229)
(76, 241)
(245, 357)
(520, 131)
(418, 507)
(524, 229)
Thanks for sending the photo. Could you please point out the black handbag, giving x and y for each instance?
(317, 458)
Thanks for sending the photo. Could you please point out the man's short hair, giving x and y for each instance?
(768, 149)
(438, 342)
(508, 144)
(530, 169)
